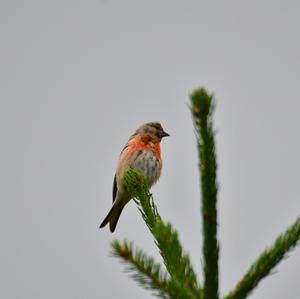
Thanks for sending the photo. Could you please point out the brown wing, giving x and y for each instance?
(115, 187)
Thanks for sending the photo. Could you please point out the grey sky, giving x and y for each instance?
(78, 77)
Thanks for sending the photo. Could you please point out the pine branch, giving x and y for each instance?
(266, 262)
(145, 270)
(176, 261)
(202, 109)
(180, 282)
(177, 291)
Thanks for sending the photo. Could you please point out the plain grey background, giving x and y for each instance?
(78, 77)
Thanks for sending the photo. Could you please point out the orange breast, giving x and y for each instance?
(147, 146)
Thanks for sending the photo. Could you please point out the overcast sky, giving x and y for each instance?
(78, 77)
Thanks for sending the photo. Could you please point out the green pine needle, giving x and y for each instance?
(266, 262)
(144, 269)
(202, 109)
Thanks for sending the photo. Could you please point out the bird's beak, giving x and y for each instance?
(164, 134)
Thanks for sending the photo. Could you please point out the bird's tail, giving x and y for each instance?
(113, 217)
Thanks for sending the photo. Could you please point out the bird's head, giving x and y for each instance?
(153, 131)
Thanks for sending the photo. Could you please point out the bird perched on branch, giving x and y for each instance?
(142, 152)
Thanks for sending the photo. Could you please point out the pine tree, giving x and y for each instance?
(177, 279)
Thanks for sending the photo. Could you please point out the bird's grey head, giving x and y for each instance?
(153, 130)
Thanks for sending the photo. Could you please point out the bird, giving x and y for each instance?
(142, 153)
